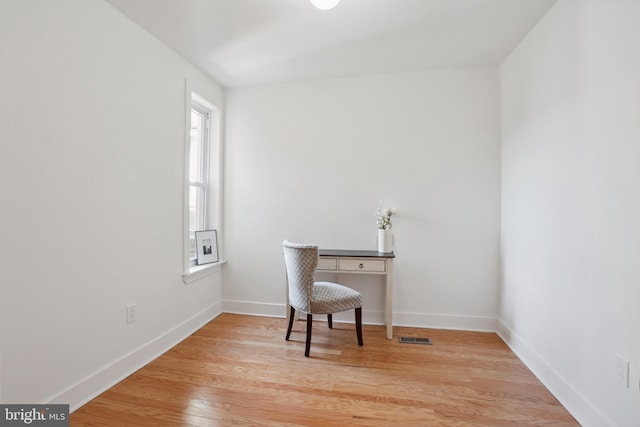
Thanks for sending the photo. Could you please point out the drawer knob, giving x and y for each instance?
(361, 266)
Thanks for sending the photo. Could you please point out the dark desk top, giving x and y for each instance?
(355, 253)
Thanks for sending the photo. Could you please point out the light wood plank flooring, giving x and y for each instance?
(239, 370)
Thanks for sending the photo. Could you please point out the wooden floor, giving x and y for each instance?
(239, 370)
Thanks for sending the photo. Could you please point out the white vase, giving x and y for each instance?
(385, 241)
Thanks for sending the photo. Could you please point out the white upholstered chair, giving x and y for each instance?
(312, 297)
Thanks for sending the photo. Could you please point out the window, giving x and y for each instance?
(198, 174)
(202, 178)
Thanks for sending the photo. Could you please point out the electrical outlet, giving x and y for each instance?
(131, 313)
(622, 371)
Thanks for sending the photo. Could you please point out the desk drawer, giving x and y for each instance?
(327, 264)
(361, 265)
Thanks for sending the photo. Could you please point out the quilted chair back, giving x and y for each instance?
(301, 262)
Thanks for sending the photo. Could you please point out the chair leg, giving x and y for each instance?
(308, 344)
(359, 325)
(330, 320)
(291, 315)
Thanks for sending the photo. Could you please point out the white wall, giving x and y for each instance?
(91, 177)
(570, 298)
(310, 161)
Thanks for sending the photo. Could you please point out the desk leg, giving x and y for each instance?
(388, 310)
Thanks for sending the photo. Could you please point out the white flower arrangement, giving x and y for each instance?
(383, 216)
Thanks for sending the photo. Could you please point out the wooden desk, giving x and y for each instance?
(362, 262)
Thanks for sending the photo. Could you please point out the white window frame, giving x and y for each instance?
(212, 184)
(202, 181)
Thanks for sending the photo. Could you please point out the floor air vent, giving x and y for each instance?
(414, 340)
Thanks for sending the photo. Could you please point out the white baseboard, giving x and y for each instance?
(445, 321)
(94, 384)
(254, 308)
(584, 411)
(279, 310)
(370, 317)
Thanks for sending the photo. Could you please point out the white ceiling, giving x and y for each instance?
(248, 42)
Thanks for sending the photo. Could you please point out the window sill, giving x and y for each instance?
(199, 271)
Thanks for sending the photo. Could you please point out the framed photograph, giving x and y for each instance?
(207, 245)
